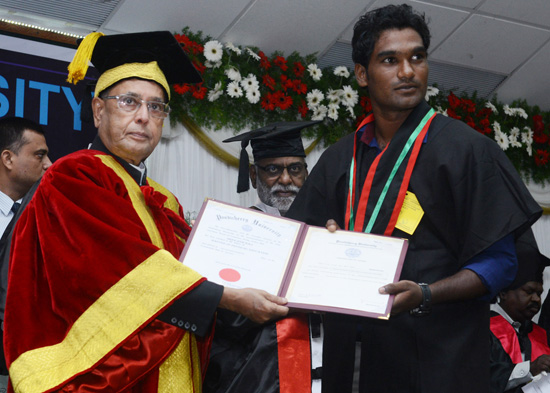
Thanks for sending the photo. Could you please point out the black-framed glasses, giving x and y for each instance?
(130, 103)
(273, 171)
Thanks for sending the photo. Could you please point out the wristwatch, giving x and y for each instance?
(426, 306)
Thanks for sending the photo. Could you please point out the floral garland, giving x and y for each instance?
(243, 89)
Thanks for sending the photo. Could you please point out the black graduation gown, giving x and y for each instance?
(472, 197)
(501, 366)
(242, 348)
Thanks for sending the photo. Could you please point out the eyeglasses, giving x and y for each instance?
(129, 103)
(274, 171)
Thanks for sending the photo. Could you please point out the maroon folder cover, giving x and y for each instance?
(313, 268)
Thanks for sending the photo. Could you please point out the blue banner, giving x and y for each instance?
(35, 87)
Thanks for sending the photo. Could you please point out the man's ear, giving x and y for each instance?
(253, 174)
(7, 158)
(98, 105)
(361, 75)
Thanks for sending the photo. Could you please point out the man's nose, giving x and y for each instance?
(406, 70)
(47, 163)
(285, 177)
(142, 114)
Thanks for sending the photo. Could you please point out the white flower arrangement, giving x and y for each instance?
(315, 72)
(350, 96)
(213, 51)
(233, 48)
(216, 92)
(243, 88)
(314, 98)
(233, 74)
(234, 90)
(252, 54)
(342, 71)
(319, 112)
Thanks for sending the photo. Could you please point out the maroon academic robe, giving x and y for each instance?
(94, 261)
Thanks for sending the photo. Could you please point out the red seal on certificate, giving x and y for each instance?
(230, 275)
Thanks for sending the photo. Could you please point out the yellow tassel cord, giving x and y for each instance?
(79, 65)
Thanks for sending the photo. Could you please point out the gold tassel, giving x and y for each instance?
(79, 65)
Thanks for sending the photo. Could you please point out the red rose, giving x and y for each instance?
(286, 83)
(468, 105)
(451, 113)
(541, 157)
(279, 99)
(302, 109)
(299, 87)
(185, 41)
(366, 104)
(264, 61)
(199, 66)
(485, 112)
(182, 88)
(268, 81)
(281, 63)
(298, 69)
(199, 91)
(454, 101)
(540, 137)
(538, 124)
(267, 102)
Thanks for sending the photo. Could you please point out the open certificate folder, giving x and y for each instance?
(310, 266)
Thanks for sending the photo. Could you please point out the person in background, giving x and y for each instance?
(97, 298)
(519, 347)
(279, 168)
(281, 356)
(24, 159)
(411, 173)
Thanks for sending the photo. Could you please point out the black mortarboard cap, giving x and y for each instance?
(107, 52)
(161, 46)
(280, 139)
(531, 262)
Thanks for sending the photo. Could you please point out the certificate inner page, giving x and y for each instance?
(241, 248)
(344, 270)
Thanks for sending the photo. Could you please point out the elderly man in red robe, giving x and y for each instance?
(97, 299)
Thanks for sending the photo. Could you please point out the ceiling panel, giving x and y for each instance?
(288, 25)
(491, 44)
(441, 20)
(529, 81)
(210, 16)
(532, 11)
(466, 4)
(89, 12)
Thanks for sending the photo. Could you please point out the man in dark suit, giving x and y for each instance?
(24, 159)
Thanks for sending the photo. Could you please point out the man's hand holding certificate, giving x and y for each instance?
(313, 268)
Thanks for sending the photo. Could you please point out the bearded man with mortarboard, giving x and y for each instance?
(281, 356)
(97, 299)
(279, 168)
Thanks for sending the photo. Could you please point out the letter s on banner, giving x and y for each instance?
(4, 103)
